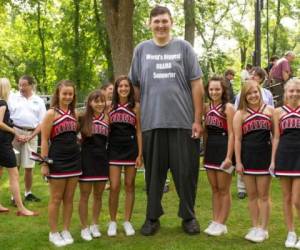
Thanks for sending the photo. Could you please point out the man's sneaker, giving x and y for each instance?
(150, 227)
(291, 240)
(190, 226)
(261, 235)
(112, 229)
(218, 229)
(94, 229)
(210, 227)
(86, 234)
(129, 231)
(67, 237)
(56, 239)
(32, 197)
(251, 234)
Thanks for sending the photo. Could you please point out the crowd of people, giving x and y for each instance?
(156, 115)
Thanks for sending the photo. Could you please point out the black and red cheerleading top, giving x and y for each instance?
(215, 120)
(289, 124)
(66, 122)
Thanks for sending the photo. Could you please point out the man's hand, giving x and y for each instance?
(197, 130)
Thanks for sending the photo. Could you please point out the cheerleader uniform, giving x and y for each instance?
(123, 148)
(217, 138)
(287, 160)
(94, 158)
(7, 156)
(256, 146)
(64, 150)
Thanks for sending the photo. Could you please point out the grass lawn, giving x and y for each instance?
(32, 233)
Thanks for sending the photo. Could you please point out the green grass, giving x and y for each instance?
(32, 233)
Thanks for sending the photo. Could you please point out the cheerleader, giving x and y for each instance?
(60, 128)
(94, 126)
(252, 131)
(286, 155)
(125, 150)
(7, 156)
(219, 143)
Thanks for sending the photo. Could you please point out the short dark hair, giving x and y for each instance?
(259, 72)
(249, 66)
(229, 72)
(160, 10)
(28, 78)
(106, 85)
(273, 58)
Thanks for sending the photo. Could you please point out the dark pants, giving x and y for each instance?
(172, 149)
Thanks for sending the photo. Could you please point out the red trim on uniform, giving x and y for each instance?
(212, 166)
(121, 162)
(93, 178)
(287, 173)
(66, 174)
(256, 171)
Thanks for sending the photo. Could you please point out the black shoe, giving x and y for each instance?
(166, 188)
(32, 197)
(13, 202)
(150, 227)
(241, 195)
(191, 226)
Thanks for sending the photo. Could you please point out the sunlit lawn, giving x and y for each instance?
(32, 233)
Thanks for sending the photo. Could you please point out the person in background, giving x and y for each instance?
(7, 156)
(229, 76)
(272, 62)
(245, 73)
(27, 112)
(281, 70)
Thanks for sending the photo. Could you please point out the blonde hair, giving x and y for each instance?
(288, 83)
(4, 88)
(244, 92)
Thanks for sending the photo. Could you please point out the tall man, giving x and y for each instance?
(167, 74)
(27, 111)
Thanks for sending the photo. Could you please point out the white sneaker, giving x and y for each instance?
(94, 229)
(112, 229)
(261, 235)
(56, 239)
(251, 234)
(291, 240)
(210, 228)
(128, 228)
(298, 244)
(218, 229)
(86, 234)
(67, 237)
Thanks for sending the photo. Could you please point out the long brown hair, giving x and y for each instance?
(86, 119)
(224, 97)
(55, 97)
(116, 99)
(245, 89)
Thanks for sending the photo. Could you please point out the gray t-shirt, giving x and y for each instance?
(164, 76)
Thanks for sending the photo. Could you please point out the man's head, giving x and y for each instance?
(229, 74)
(161, 23)
(249, 67)
(26, 85)
(273, 59)
(290, 56)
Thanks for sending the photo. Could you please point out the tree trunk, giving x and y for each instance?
(41, 36)
(189, 18)
(104, 41)
(275, 34)
(76, 50)
(119, 25)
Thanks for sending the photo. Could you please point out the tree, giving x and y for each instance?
(119, 25)
(190, 24)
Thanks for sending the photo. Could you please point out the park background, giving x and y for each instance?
(91, 42)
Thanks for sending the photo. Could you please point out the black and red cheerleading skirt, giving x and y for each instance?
(94, 159)
(123, 150)
(65, 153)
(287, 160)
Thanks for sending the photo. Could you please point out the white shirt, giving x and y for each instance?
(244, 75)
(266, 96)
(26, 112)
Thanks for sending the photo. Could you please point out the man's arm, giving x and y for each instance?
(197, 93)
